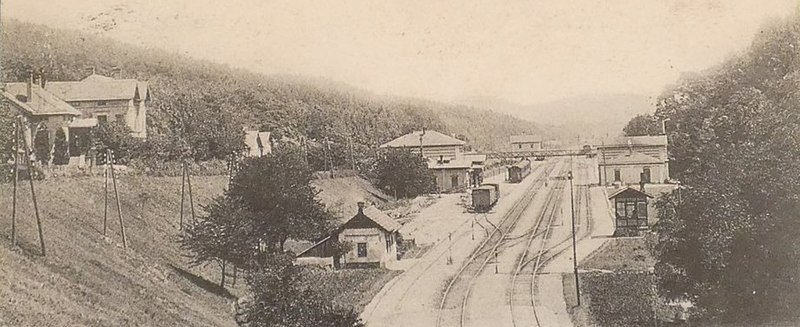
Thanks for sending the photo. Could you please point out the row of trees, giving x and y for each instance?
(728, 241)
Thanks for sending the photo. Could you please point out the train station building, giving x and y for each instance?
(455, 169)
(633, 159)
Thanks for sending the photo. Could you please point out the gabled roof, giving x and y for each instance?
(430, 138)
(372, 214)
(41, 103)
(98, 87)
(632, 158)
(649, 140)
(629, 192)
(524, 138)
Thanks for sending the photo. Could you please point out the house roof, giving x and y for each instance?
(382, 219)
(41, 103)
(474, 157)
(525, 138)
(649, 140)
(98, 87)
(631, 158)
(430, 138)
(83, 123)
(629, 192)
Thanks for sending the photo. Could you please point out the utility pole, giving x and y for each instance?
(574, 250)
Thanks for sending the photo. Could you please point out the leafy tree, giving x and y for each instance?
(727, 241)
(6, 131)
(277, 190)
(222, 234)
(116, 137)
(60, 148)
(404, 174)
(41, 146)
(279, 298)
(644, 124)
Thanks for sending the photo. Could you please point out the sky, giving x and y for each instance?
(525, 52)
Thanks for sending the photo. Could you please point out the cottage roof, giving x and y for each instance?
(382, 219)
(629, 192)
(631, 158)
(98, 87)
(41, 103)
(430, 138)
(648, 140)
(525, 138)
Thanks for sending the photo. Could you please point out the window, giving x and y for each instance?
(646, 174)
(520, 145)
(362, 250)
(120, 118)
(617, 175)
(102, 119)
(76, 104)
(102, 103)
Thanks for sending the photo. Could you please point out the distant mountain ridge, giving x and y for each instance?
(586, 116)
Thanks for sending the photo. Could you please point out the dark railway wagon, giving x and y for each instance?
(518, 171)
(485, 196)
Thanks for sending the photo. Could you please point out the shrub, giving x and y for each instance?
(621, 298)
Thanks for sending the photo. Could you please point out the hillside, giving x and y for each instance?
(88, 281)
(205, 104)
(85, 280)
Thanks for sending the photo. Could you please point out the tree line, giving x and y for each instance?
(198, 108)
(727, 240)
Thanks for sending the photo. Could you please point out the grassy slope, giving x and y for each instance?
(86, 280)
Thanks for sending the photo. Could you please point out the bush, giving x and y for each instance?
(41, 146)
(621, 298)
(60, 148)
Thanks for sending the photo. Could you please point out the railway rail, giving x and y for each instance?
(454, 301)
(545, 255)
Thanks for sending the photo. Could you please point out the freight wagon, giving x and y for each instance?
(485, 196)
(518, 171)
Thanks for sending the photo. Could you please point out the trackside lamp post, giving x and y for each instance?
(574, 250)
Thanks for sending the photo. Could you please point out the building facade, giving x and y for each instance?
(106, 100)
(454, 169)
(525, 142)
(371, 234)
(630, 160)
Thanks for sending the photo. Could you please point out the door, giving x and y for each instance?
(454, 181)
(646, 175)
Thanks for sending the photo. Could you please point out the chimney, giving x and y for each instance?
(28, 88)
(361, 206)
(41, 78)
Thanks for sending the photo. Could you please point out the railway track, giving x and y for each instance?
(547, 216)
(545, 254)
(439, 251)
(454, 301)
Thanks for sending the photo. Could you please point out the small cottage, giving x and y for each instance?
(371, 235)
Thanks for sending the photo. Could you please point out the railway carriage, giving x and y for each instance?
(518, 171)
(485, 196)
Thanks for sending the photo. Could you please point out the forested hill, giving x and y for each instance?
(204, 105)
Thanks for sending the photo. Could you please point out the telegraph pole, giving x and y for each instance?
(574, 250)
